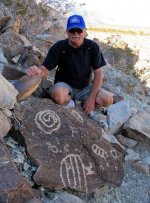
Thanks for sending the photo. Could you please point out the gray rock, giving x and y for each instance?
(141, 167)
(63, 197)
(8, 94)
(140, 122)
(132, 156)
(126, 141)
(5, 125)
(117, 115)
(13, 187)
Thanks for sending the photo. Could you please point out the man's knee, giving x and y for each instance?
(104, 98)
(60, 95)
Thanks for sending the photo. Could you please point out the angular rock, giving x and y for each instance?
(140, 123)
(11, 44)
(113, 140)
(63, 197)
(132, 156)
(142, 167)
(4, 20)
(126, 141)
(2, 57)
(14, 23)
(8, 94)
(12, 186)
(117, 115)
(26, 86)
(5, 125)
(67, 146)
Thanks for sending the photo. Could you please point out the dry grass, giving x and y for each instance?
(122, 30)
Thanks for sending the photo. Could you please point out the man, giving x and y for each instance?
(75, 59)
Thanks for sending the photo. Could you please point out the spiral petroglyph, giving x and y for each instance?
(47, 121)
(72, 172)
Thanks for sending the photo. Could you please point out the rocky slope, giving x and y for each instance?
(24, 40)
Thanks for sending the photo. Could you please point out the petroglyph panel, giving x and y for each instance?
(47, 121)
(72, 172)
(77, 116)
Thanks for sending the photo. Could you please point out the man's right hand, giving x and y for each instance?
(33, 70)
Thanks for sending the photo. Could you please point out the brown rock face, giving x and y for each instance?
(68, 147)
(13, 188)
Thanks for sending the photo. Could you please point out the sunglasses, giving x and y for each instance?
(73, 30)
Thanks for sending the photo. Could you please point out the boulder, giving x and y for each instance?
(67, 146)
(140, 123)
(13, 188)
(117, 115)
(11, 44)
(5, 125)
(8, 94)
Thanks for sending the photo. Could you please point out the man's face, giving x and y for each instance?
(76, 36)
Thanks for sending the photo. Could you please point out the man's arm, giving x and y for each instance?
(41, 70)
(97, 82)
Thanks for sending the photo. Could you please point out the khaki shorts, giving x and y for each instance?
(79, 94)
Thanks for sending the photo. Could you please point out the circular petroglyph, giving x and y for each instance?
(72, 172)
(47, 121)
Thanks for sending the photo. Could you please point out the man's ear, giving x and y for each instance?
(85, 33)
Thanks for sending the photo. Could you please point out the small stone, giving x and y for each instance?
(19, 159)
(16, 59)
(26, 166)
(141, 167)
(126, 141)
(132, 156)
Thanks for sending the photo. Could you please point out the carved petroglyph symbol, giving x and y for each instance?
(53, 148)
(89, 170)
(99, 151)
(72, 172)
(74, 131)
(47, 121)
(77, 116)
(114, 153)
(66, 148)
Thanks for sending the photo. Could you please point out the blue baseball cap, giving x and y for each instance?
(75, 21)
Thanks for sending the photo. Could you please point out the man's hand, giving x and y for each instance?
(89, 104)
(33, 70)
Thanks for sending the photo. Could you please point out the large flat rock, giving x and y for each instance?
(67, 146)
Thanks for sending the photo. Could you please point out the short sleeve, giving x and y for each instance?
(97, 57)
(52, 58)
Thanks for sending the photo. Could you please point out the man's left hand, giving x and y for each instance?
(89, 105)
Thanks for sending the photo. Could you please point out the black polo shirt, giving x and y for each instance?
(74, 64)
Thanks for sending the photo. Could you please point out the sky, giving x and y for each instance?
(115, 12)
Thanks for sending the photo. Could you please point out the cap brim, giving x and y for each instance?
(75, 26)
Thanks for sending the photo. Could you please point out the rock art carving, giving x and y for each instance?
(114, 154)
(77, 116)
(99, 151)
(72, 172)
(52, 147)
(47, 121)
(74, 131)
